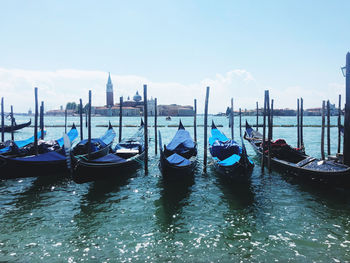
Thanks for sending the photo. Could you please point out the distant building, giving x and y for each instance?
(175, 110)
(109, 92)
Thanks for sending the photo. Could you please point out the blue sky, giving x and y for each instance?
(293, 48)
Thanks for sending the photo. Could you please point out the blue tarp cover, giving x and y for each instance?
(230, 160)
(109, 158)
(21, 143)
(72, 135)
(45, 157)
(108, 137)
(221, 147)
(178, 160)
(181, 142)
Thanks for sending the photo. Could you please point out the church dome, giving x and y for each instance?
(137, 97)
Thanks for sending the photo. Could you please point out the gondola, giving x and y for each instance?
(126, 157)
(50, 160)
(99, 146)
(229, 158)
(294, 161)
(8, 128)
(12, 147)
(179, 157)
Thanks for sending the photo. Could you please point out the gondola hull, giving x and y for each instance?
(12, 168)
(169, 170)
(311, 169)
(94, 155)
(8, 128)
(88, 171)
(236, 172)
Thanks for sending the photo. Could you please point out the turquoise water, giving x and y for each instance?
(146, 219)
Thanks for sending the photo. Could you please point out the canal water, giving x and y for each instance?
(203, 219)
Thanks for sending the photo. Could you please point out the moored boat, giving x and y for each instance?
(126, 157)
(179, 157)
(99, 146)
(8, 128)
(229, 158)
(49, 160)
(295, 162)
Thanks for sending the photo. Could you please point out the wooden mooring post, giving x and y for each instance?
(36, 122)
(264, 135)
(301, 122)
(298, 124)
(271, 118)
(86, 117)
(339, 124)
(81, 118)
(322, 130)
(195, 120)
(155, 127)
(328, 128)
(206, 130)
(2, 121)
(240, 122)
(120, 118)
(257, 116)
(89, 126)
(268, 131)
(42, 120)
(145, 116)
(346, 146)
(232, 120)
(12, 124)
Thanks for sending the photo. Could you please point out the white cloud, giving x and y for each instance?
(58, 87)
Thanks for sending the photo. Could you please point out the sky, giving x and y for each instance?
(238, 48)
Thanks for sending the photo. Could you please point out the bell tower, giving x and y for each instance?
(109, 92)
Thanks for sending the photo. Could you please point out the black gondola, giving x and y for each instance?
(295, 162)
(50, 160)
(179, 157)
(8, 128)
(99, 146)
(126, 157)
(229, 158)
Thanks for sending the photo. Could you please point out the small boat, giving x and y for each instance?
(50, 160)
(127, 156)
(7, 128)
(12, 147)
(229, 158)
(179, 157)
(168, 118)
(99, 146)
(295, 162)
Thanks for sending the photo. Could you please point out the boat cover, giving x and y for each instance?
(45, 157)
(221, 147)
(109, 158)
(108, 137)
(72, 135)
(19, 144)
(178, 160)
(182, 142)
(96, 144)
(235, 158)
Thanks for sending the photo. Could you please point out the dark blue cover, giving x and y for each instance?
(109, 158)
(178, 160)
(45, 157)
(182, 142)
